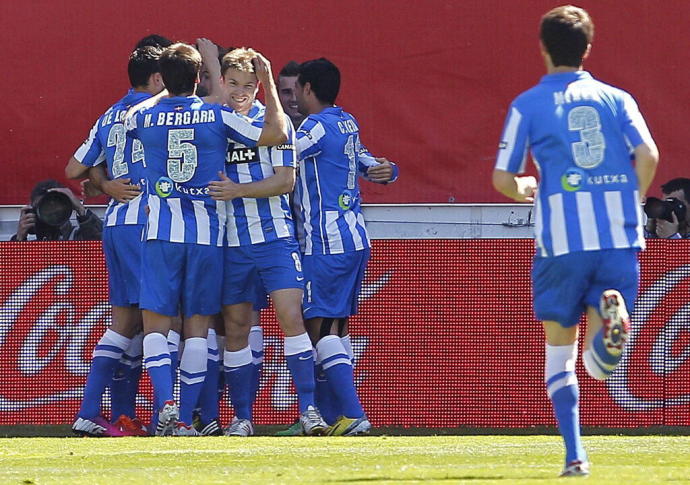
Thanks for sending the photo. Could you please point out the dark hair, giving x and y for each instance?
(180, 65)
(142, 63)
(324, 78)
(154, 40)
(566, 32)
(42, 188)
(290, 69)
(677, 184)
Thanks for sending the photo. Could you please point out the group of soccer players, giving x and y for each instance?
(201, 229)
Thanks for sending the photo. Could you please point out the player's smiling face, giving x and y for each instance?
(287, 95)
(240, 89)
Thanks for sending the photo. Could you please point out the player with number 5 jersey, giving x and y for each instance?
(185, 142)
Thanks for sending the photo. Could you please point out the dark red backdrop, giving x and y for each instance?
(429, 81)
(445, 338)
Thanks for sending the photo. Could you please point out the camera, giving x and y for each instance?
(52, 210)
(664, 209)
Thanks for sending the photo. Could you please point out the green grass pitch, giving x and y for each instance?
(616, 460)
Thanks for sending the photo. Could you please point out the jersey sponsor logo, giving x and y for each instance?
(572, 179)
(189, 190)
(242, 155)
(286, 146)
(345, 200)
(164, 187)
(606, 179)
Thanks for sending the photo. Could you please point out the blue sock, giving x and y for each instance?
(563, 390)
(238, 375)
(324, 398)
(192, 375)
(105, 359)
(338, 369)
(157, 361)
(256, 343)
(300, 362)
(208, 400)
(128, 369)
(173, 348)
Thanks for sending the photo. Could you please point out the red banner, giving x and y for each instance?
(445, 338)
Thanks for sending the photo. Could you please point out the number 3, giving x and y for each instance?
(589, 152)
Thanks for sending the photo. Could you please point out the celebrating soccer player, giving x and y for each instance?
(587, 203)
(185, 142)
(337, 246)
(261, 245)
(124, 220)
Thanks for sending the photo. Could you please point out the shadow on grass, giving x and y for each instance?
(428, 479)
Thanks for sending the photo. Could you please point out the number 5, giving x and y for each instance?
(182, 155)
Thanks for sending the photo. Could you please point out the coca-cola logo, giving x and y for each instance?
(652, 369)
(46, 344)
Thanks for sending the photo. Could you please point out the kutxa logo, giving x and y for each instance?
(46, 345)
(654, 370)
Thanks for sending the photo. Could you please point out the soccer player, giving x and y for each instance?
(124, 221)
(287, 77)
(337, 246)
(185, 142)
(261, 245)
(588, 220)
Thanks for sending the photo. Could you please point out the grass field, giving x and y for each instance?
(618, 460)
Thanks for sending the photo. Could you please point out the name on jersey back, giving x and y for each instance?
(171, 118)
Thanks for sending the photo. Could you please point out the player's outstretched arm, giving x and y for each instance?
(646, 161)
(520, 189)
(275, 129)
(209, 55)
(384, 172)
(282, 182)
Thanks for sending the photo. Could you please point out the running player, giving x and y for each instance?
(337, 246)
(122, 247)
(185, 142)
(261, 245)
(588, 220)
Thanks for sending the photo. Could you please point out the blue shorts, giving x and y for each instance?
(260, 300)
(122, 248)
(334, 282)
(273, 265)
(564, 286)
(181, 275)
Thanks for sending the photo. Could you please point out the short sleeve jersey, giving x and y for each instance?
(581, 133)
(330, 154)
(252, 221)
(185, 142)
(124, 158)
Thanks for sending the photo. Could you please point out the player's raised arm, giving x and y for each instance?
(275, 129)
(209, 55)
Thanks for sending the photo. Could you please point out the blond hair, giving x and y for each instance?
(240, 59)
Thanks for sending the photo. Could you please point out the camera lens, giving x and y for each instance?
(54, 209)
(656, 208)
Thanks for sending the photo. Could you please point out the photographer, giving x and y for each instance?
(47, 218)
(668, 217)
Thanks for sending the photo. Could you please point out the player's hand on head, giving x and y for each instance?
(666, 229)
(262, 68)
(526, 188)
(121, 189)
(224, 189)
(383, 172)
(207, 48)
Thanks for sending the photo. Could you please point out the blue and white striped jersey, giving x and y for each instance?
(252, 221)
(124, 157)
(581, 133)
(330, 159)
(185, 142)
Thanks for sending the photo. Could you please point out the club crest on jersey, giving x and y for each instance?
(572, 179)
(345, 200)
(242, 155)
(164, 187)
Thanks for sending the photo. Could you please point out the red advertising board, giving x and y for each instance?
(445, 338)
